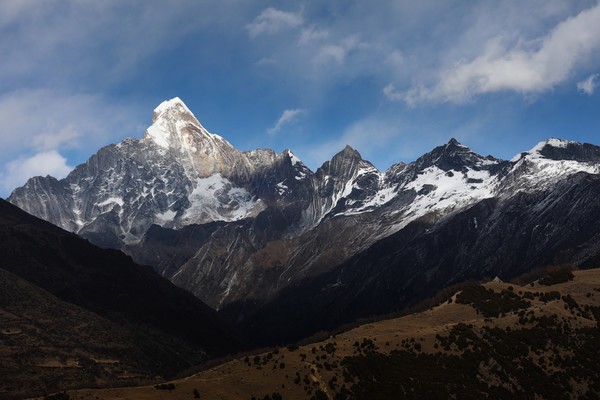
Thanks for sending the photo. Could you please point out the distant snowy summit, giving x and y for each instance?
(176, 130)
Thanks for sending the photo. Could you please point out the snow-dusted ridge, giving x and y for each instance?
(535, 150)
(452, 177)
(533, 170)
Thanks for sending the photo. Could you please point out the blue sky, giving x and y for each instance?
(391, 78)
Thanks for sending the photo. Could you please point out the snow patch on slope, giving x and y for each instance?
(539, 172)
(533, 171)
(383, 195)
(159, 135)
(439, 190)
(295, 160)
(216, 199)
(112, 200)
(281, 188)
(164, 217)
(443, 193)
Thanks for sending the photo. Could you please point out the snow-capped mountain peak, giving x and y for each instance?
(293, 158)
(548, 162)
(174, 106)
(552, 142)
(346, 164)
(539, 149)
(562, 150)
(454, 142)
(175, 126)
(349, 150)
(557, 142)
(453, 156)
(176, 130)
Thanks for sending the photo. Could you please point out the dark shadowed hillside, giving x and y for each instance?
(126, 311)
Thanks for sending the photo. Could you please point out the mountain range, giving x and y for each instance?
(283, 251)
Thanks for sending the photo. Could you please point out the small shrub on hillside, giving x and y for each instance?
(489, 303)
(570, 302)
(549, 296)
(556, 277)
(541, 273)
(58, 396)
(165, 386)
(330, 348)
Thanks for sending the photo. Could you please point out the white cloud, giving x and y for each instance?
(66, 137)
(338, 43)
(271, 20)
(103, 44)
(529, 66)
(312, 34)
(287, 117)
(337, 53)
(330, 53)
(589, 85)
(395, 59)
(12, 9)
(16, 172)
(392, 93)
(40, 120)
